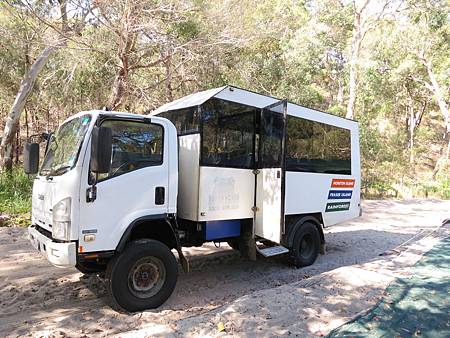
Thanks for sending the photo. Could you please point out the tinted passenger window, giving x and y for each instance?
(317, 147)
(227, 139)
(271, 139)
(135, 145)
(187, 121)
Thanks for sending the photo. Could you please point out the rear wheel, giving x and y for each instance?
(306, 245)
(143, 276)
(233, 243)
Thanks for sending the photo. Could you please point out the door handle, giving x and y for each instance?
(159, 195)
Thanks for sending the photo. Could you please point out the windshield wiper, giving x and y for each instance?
(59, 170)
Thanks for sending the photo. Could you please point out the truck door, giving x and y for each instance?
(269, 161)
(135, 187)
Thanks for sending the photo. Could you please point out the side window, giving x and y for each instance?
(317, 147)
(135, 145)
(271, 139)
(186, 121)
(228, 130)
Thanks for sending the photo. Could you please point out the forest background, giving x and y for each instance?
(384, 63)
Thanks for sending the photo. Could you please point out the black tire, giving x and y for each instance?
(145, 264)
(234, 243)
(306, 245)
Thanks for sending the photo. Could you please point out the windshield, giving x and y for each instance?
(64, 146)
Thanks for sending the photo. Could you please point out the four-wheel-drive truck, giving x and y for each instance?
(122, 193)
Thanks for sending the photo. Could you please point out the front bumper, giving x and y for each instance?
(62, 255)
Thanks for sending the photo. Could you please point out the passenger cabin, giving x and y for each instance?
(247, 157)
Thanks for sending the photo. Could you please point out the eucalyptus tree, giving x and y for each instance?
(56, 39)
(426, 36)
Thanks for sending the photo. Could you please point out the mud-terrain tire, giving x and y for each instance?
(143, 276)
(306, 245)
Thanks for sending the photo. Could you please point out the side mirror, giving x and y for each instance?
(101, 148)
(31, 158)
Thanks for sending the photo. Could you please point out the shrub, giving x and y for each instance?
(15, 196)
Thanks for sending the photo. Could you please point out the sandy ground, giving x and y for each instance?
(262, 298)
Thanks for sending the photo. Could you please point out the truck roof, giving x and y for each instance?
(243, 96)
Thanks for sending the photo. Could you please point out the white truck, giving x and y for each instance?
(121, 193)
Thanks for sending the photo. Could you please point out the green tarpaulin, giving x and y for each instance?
(418, 306)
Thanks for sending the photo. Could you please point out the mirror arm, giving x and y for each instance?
(91, 193)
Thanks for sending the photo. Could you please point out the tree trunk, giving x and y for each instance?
(25, 89)
(127, 42)
(357, 38)
(443, 106)
(412, 124)
(12, 120)
(352, 88)
(118, 89)
(340, 92)
(168, 66)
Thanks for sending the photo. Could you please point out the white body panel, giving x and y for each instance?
(125, 198)
(268, 203)
(308, 193)
(245, 97)
(189, 100)
(225, 193)
(188, 154)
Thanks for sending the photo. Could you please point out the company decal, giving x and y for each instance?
(342, 183)
(337, 206)
(342, 191)
(340, 194)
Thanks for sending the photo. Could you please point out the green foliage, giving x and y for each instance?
(15, 195)
(298, 50)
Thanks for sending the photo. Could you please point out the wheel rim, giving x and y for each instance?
(306, 246)
(146, 277)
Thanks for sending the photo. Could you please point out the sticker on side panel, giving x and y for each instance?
(342, 183)
(337, 206)
(340, 194)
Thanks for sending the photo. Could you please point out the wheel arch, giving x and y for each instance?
(157, 227)
(295, 222)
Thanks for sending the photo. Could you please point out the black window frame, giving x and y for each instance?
(292, 168)
(146, 121)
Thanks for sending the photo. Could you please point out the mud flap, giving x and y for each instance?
(183, 260)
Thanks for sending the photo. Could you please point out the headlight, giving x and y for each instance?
(61, 220)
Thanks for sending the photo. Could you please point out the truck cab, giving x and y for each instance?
(82, 218)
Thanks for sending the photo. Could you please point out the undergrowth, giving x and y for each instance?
(15, 197)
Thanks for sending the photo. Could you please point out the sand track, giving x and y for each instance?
(249, 297)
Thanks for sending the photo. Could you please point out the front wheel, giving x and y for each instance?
(306, 245)
(143, 276)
